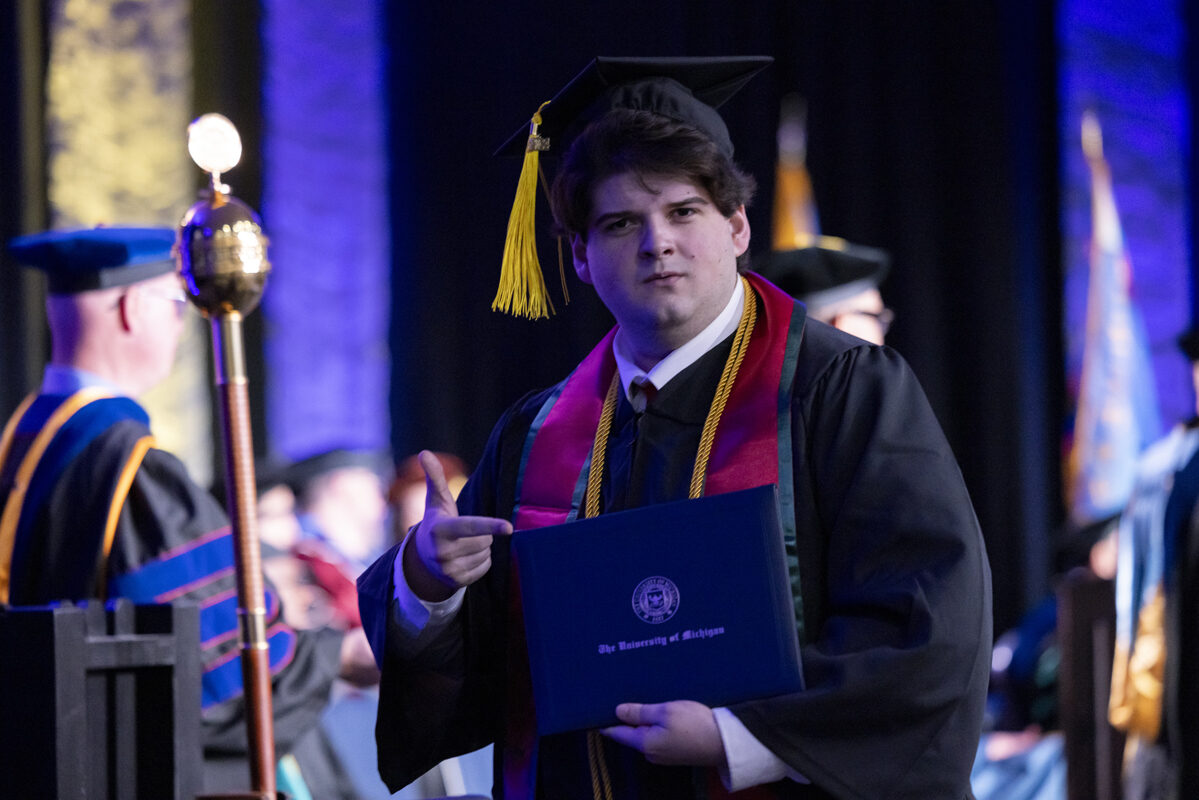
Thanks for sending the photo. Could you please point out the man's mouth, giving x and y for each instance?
(658, 277)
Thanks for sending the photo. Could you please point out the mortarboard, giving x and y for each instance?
(301, 473)
(685, 89)
(826, 272)
(269, 472)
(96, 258)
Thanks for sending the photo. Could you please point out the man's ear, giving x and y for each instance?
(739, 224)
(129, 309)
(578, 251)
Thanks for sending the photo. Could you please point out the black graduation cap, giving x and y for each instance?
(301, 473)
(96, 258)
(826, 272)
(269, 472)
(685, 89)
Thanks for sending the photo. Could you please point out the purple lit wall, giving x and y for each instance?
(1125, 59)
(325, 208)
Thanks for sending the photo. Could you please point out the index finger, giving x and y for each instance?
(437, 490)
(464, 527)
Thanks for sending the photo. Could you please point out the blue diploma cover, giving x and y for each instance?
(688, 600)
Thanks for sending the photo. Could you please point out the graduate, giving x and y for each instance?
(712, 381)
(94, 509)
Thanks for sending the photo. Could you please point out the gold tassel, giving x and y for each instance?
(522, 291)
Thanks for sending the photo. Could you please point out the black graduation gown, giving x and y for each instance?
(1180, 700)
(55, 557)
(895, 588)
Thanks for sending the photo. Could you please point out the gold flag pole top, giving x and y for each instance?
(222, 256)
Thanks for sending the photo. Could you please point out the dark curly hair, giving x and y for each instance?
(643, 143)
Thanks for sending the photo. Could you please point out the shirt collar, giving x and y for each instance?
(678, 360)
(61, 379)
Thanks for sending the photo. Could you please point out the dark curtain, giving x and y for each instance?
(23, 341)
(932, 134)
(227, 78)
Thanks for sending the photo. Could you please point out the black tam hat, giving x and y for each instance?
(827, 272)
(300, 474)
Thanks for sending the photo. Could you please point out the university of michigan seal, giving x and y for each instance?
(656, 599)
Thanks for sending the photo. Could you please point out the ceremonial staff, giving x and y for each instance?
(222, 257)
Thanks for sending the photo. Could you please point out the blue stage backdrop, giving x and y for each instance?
(1125, 60)
(325, 207)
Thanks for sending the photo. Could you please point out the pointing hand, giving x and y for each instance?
(447, 551)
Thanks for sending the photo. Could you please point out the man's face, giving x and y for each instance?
(161, 312)
(861, 315)
(662, 258)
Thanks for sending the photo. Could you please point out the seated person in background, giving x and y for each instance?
(278, 523)
(95, 510)
(1021, 755)
(1152, 698)
(305, 603)
(341, 503)
(837, 282)
(343, 518)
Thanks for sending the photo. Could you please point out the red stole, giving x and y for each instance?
(749, 450)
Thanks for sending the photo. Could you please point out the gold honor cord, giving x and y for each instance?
(595, 475)
(16, 496)
(600, 779)
(124, 482)
(732, 365)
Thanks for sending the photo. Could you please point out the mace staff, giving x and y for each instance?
(222, 258)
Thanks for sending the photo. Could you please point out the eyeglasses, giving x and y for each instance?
(884, 318)
(174, 295)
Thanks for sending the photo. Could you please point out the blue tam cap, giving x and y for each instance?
(96, 258)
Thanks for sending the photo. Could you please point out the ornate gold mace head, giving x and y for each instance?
(221, 247)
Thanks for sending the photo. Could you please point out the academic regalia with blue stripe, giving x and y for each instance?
(106, 514)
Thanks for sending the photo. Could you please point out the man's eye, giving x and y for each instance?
(685, 211)
(618, 224)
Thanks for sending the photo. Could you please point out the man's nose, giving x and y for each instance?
(657, 240)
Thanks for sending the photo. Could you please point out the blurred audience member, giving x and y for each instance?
(1021, 754)
(838, 284)
(342, 514)
(305, 604)
(1152, 698)
(341, 503)
(278, 524)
